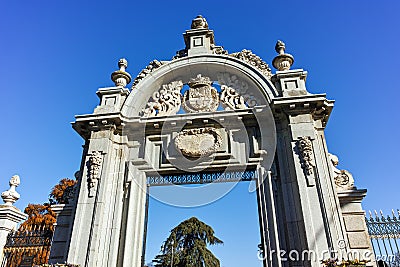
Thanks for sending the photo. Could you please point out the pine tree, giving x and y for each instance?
(187, 246)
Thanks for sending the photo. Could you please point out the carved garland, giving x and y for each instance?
(306, 154)
(94, 165)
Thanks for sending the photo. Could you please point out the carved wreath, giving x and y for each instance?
(198, 142)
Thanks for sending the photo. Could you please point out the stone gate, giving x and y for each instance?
(210, 116)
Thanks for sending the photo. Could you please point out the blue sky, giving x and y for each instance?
(55, 54)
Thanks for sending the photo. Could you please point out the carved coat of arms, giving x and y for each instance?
(201, 97)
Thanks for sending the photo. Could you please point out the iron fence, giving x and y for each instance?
(27, 247)
(385, 237)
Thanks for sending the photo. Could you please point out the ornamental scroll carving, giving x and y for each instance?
(94, 166)
(231, 99)
(164, 102)
(240, 87)
(307, 157)
(200, 97)
(343, 179)
(254, 60)
(198, 142)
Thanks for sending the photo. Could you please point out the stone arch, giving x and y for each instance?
(210, 65)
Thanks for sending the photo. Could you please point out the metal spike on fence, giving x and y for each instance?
(376, 216)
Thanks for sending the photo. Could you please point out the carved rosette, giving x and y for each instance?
(164, 102)
(94, 166)
(198, 142)
(231, 99)
(343, 179)
(201, 97)
(306, 154)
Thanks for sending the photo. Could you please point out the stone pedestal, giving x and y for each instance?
(10, 216)
(354, 220)
(62, 232)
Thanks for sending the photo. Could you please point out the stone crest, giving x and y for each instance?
(198, 142)
(201, 97)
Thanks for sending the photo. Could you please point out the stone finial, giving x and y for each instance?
(199, 23)
(282, 61)
(10, 196)
(121, 77)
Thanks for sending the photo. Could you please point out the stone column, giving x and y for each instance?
(10, 216)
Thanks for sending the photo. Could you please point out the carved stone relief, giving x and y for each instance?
(231, 99)
(201, 97)
(307, 157)
(240, 87)
(198, 142)
(151, 67)
(94, 166)
(343, 179)
(164, 102)
(254, 60)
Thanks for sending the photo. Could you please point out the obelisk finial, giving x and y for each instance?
(121, 77)
(10, 196)
(282, 61)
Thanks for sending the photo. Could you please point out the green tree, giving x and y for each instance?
(187, 246)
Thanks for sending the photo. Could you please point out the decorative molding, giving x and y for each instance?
(202, 178)
(249, 57)
(231, 99)
(94, 166)
(201, 96)
(343, 179)
(198, 142)
(10, 196)
(306, 154)
(242, 88)
(166, 101)
(153, 65)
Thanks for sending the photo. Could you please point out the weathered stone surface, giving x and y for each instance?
(198, 142)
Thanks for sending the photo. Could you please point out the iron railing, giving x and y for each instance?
(385, 237)
(27, 247)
